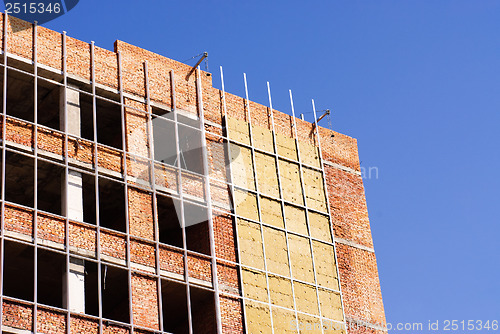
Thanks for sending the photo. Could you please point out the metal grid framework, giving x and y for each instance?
(254, 191)
(125, 179)
(149, 183)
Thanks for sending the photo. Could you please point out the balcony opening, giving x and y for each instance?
(49, 182)
(164, 141)
(49, 104)
(89, 200)
(203, 311)
(50, 279)
(174, 306)
(20, 95)
(19, 179)
(197, 233)
(190, 149)
(109, 123)
(18, 281)
(114, 289)
(112, 205)
(169, 226)
(91, 288)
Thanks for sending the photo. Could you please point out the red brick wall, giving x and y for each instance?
(145, 301)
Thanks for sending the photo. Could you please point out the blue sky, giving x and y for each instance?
(416, 82)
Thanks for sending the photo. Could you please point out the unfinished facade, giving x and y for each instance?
(137, 198)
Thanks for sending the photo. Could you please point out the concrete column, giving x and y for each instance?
(72, 203)
(76, 286)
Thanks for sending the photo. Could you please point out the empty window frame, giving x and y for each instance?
(18, 275)
(86, 115)
(49, 104)
(202, 311)
(20, 95)
(112, 205)
(109, 123)
(169, 221)
(197, 232)
(164, 141)
(190, 149)
(50, 178)
(174, 307)
(115, 296)
(51, 271)
(19, 179)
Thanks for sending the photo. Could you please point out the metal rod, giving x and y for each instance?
(282, 203)
(231, 184)
(181, 196)
(4, 129)
(209, 201)
(259, 206)
(328, 210)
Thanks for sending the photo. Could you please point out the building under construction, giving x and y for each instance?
(138, 198)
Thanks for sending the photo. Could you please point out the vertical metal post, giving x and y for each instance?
(316, 130)
(209, 200)
(231, 185)
(304, 198)
(96, 181)
(257, 195)
(35, 192)
(66, 180)
(282, 202)
(181, 196)
(4, 129)
(154, 200)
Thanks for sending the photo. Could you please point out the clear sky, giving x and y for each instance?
(416, 82)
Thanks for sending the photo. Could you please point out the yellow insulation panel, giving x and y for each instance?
(305, 298)
(301, 258)
(290, 182)
(320, 226)
(324, 260)
(315, 192)
(246, 204)
(295, 219)
(238, 130)
(309, 154)
(284, 321)
(276, 251)
(331, 305)
(258, 318)
(250, 243)
(254, 284)
(262, 139)
(241, 166)
(281, 291)
(271, 212)
(309, 324)
(286, 147)
(267, 176)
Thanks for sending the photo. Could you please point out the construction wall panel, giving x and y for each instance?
(286, 146)
(258, 318)
(262, 139)
(301, 258)
(315, 191)
(306, 298)
(271, 212)
(320, 227)
(242, 167)
(238, 130)
(246, 205)
(282, 320)
(331, 305)
(295, 219)
(280, 290)
(254, 285)
(290, 182)
(276, 251)
(250, 244)
(324, 260)
(267, 176)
